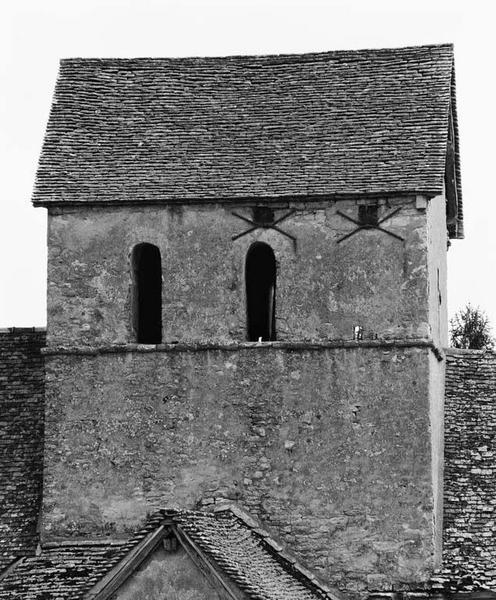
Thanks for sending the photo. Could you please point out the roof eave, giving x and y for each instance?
(453, 170)
(276, 200)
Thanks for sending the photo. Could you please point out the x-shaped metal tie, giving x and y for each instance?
(369, 225)
(260, 225)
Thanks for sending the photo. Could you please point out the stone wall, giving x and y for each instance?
(324, 287)
(437, 256)
(21, 440)
(329, 447)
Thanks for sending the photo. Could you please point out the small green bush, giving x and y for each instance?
(470, 329)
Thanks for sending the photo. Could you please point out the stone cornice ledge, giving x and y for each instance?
(234, 346)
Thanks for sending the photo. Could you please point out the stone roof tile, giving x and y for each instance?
(469, 555)
(61, 571)
(21, 440)
(66, 570)
(251, 560)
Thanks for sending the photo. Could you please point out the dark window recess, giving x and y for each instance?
(260, 277)
(147, 294)
(263, 215)
(368, 215)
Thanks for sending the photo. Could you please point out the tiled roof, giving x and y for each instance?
(241, 552)
(21, 443)
(188, 129)
(67, 570)
(60, 572)
(470, 471)
(249, 557)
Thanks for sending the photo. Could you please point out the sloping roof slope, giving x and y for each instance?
(470, 471)
(67, 570)
(189, 129)
(21, 441)
(62, 571)
(249, 557)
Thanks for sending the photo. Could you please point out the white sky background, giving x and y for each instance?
(34, 35)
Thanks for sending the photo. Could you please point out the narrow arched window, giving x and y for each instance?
(260, 277)
(147, 294)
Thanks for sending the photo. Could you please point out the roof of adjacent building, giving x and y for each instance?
(21, 440)
(228, 540)
(249, 556)
(152, 130)
(469, 545)
(61, 571)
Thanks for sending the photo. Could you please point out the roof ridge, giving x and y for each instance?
(15, 329)
(84, 543)
(297, 57)
(469, 352)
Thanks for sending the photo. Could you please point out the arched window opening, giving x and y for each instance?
(147, 294)
(260, 277)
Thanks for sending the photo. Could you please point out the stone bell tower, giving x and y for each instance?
(247, 299)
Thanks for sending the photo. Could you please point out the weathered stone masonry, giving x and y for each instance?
(329, 447)
(129, 431)
(324, 288)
